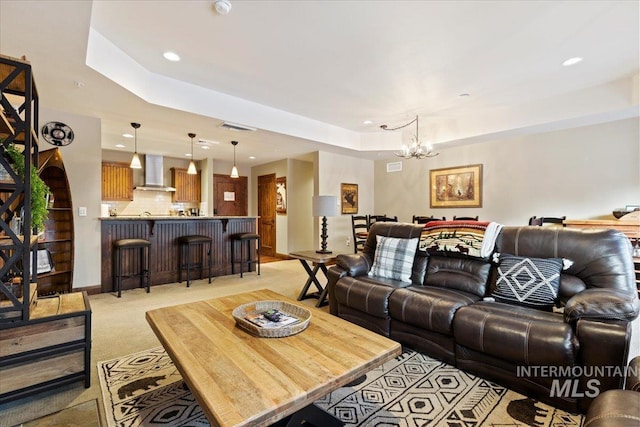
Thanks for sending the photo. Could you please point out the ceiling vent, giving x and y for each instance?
(206, 142)
(236, 127)
(394, 167)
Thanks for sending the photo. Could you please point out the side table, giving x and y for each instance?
(319, 262)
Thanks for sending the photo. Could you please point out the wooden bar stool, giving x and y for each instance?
(241, 238)
(145, 265)
(185, 246)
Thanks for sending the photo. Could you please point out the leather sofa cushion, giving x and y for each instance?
(605, 304)
(614, 408)
(464, 274)
(516, 334)
(600, 257)
(428, 307)
(367, 295)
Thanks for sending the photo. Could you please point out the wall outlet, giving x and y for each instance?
(82, 211)
(348, 242)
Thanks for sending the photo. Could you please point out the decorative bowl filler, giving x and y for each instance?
(243, 313)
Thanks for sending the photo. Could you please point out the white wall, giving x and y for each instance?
(300, 180)
(82, 160)
(583, 173)
(333, 170)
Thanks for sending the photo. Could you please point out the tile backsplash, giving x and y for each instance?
(157, 203)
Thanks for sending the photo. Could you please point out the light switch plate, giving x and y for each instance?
(82, 211)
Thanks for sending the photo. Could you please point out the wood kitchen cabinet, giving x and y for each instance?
(187, 186)
(117, 182)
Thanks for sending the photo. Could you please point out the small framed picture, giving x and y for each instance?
(44, 261)
(349, 198)
(281, 195)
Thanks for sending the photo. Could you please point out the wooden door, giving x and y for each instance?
(231, 195)
(267, 213)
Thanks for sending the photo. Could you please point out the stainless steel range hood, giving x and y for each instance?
(154, 174)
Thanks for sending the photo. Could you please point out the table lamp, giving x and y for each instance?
(324, 206)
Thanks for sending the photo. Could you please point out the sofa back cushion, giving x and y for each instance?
(601, 258)
(462, 273)
(402, 231)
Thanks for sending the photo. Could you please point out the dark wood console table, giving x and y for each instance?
(319, 262)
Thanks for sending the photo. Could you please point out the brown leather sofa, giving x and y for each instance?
(443, 311)
(618, 408)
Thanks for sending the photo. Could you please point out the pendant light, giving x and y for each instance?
(417, 150)
(135, 161)
(234, 169)
(192, 166)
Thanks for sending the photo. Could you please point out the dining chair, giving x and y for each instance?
(360, 229)
(375, 218)
(465, 218)
(547, 220)
(419, 219)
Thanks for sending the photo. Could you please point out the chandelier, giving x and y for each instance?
(417, 150)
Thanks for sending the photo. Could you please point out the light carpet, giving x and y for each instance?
(145, 389)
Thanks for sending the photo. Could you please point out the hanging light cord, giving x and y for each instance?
(417, 151)
(385, 127)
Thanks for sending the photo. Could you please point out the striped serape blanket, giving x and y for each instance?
(469, 238)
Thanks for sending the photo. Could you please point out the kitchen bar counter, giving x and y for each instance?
(163, 233)
(170, 217)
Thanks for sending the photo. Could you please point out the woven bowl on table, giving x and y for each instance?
(241, 312)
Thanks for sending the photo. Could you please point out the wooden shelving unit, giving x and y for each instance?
(44, 342)
(18, 126)
(58, 238)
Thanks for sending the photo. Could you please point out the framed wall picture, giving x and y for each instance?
(281, 195)
(349, 198)
(44, 262)
(457, 187)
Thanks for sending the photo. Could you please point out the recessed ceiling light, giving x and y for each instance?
(367, 122)
(572, 61)
(120, 145)
(188, 154)
(252, 157)
(205, 147)
(171, 56)
(127, 135)
(222, 6)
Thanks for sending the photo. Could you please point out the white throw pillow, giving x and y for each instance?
(393, 258)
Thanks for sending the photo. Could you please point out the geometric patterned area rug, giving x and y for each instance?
(413, 390)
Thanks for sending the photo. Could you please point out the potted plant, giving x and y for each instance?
(39, 190)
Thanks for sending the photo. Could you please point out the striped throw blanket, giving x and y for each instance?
(469, 238)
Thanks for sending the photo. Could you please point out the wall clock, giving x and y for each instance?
(58, 134)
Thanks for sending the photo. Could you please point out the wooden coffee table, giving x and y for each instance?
(242, 380)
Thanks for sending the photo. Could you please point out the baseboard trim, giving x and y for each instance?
(90, 290)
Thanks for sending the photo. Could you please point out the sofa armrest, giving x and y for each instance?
(334, 274)
(602, 304)
(633, 375)
(354, 264)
